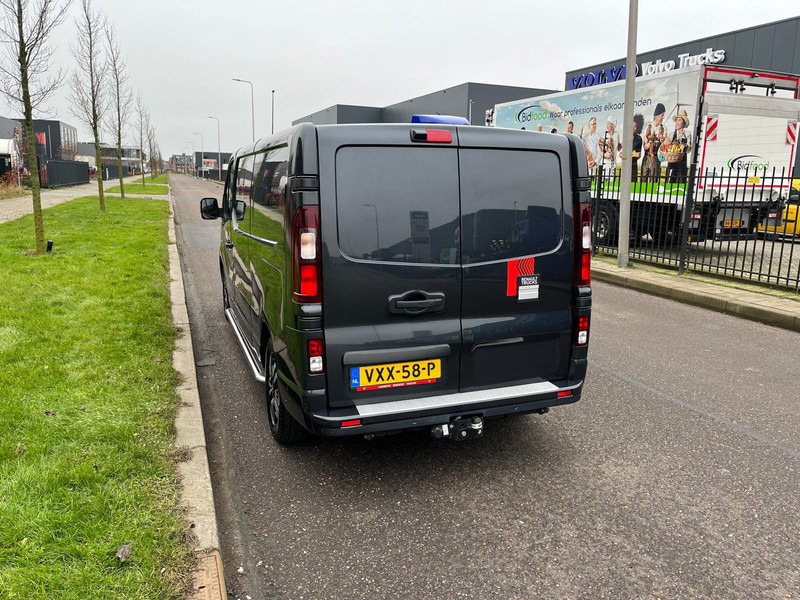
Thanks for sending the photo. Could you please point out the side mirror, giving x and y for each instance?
(794, 199)
(241, 209)
(209, 209)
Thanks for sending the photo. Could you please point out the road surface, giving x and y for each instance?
(676, 476)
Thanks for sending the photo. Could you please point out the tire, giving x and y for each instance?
(282, 425)
(607, 228)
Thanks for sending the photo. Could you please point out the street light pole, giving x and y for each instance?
(252, 106)
(627, 138)
(202, 156)
(377, 228)
(273, 111)
(193, 163)
(219, 151)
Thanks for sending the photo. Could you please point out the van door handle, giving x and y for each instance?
(419, 303)
(416, 302)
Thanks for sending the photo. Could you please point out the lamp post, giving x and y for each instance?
(219, 151)
(377, 229)
(202, 156)
(273, 111)
(252, 106)
(627, 138)
(192, 143)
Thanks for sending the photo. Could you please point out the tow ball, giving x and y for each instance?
(459, 429)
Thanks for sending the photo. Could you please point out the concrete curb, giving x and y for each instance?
(197, 495)
(738, 303)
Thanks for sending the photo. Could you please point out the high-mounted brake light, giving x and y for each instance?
(306, 267)
(432, 136)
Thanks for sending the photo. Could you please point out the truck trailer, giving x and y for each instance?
(734, 130)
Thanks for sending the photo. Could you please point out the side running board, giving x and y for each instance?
(257, 372)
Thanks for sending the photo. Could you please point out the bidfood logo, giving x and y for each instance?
(530, 113)
(748, 162)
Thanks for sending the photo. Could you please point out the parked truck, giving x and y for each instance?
(735, 129)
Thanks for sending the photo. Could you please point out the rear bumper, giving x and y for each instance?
(426, 412)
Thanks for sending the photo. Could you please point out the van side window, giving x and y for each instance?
(227, 194)
(269, 186)
(244, 178)
(398, 204)
(511, 203)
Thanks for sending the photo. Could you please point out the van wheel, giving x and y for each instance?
(284, 428)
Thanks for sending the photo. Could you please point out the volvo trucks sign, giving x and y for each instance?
(617, 73)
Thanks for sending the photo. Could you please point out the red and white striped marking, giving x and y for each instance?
(791, 133)
(711, 128)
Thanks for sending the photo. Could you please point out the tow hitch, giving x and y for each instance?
(459, 429)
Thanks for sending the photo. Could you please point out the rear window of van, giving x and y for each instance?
(511, 203)
(398, 204)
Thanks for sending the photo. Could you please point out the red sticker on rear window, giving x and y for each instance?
(517, 267)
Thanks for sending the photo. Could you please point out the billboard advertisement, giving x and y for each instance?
(665, 108)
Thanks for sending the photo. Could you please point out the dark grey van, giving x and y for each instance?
(390, 277)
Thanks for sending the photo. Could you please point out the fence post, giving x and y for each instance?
(688, 208)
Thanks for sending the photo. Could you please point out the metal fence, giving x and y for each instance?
(736, 223)
(56, 173)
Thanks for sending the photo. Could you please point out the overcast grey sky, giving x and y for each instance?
(182, 54)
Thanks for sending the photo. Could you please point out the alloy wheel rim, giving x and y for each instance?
(274, 393)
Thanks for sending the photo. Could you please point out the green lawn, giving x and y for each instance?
(138, 188)
(159, 179)
(87, 405)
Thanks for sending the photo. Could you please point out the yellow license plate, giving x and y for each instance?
(728, 223)
(392, 375)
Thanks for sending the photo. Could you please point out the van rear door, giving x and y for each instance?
(391, 272)
(516, 303)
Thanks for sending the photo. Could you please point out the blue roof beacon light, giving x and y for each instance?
(441, 119)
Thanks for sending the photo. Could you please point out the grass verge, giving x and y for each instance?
(159, 179)
(88, 405)
(139, 188)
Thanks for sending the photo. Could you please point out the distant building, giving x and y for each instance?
(54, 140)
(10, 140)
(131, 164)
(470, 100)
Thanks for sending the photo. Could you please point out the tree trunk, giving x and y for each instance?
(99, 172)
(119, 164)
(30, 139)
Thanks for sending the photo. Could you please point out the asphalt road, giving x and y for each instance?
(676, 476)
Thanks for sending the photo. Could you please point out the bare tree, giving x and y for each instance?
(142, 119)
(151, 146)
(25, 29)
(88, 80)
(120, 96)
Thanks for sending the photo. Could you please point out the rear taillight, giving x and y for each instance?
(583, 244)
(696, 216)
(581, 330)
(316, 360)
(306, 259)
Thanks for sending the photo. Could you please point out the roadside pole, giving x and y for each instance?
(627, 137)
